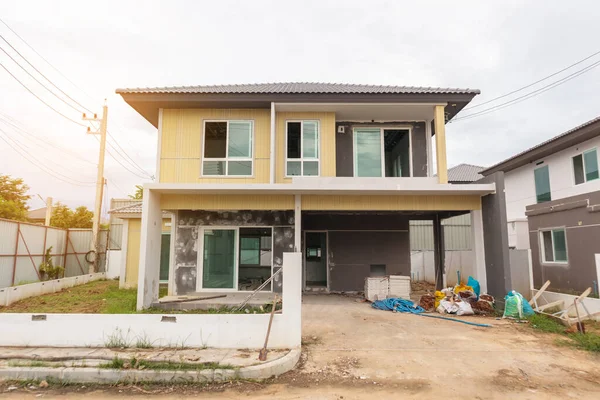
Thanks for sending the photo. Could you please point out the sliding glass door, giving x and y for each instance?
(219, 261)
(368, 153)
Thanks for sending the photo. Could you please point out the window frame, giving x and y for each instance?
(542, 247)
(382, 130)
(301, 159)
(549, 183)
(227, 159)
(585, 180)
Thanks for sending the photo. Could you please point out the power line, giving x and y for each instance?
(120, 163)
(47, 62)
(39, 98)
(532, 84)
(127, 155)
(529, 95)
(45, 77)
(47, 170)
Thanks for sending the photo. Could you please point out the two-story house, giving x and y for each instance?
(552, 204)
(330, 170)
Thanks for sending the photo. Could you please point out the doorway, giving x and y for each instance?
(315, 260)
(218, 259)
(165, 257)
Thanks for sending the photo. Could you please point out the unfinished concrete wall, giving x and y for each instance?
(358, 241)
(495, 238)
(186, 255)
(519, 271)
(344, 145)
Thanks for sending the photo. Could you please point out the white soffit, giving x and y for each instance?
(365, 112)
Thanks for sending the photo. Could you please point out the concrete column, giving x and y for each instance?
(124, 245)
(292, 296)
(429, 147)
(478, 249)
(440, 144)
(439, 252)
(298, 223)
(150, 241)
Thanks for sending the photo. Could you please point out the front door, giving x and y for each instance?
(315, 259)
(165, 256)
(218, 261)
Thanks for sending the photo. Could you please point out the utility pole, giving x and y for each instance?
(48, 211)
(99, 182)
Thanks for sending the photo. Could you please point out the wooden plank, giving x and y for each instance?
(539, 293)
(550, 305)
(192, 299)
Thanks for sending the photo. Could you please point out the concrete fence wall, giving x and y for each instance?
(197, 330)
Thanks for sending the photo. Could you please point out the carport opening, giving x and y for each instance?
(316, 259)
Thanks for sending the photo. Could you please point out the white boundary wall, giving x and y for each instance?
(13, 294)
(593, 305)
(194, 330)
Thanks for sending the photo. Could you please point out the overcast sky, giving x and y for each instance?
(104, 45)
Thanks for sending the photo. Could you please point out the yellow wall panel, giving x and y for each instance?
(132, 262)
(391, 203)
(181, 144)
(327, 135)
(226, 202)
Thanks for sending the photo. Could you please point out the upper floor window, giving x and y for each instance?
(553, 245)
(227, 148)
(585, 166)
(302, 148)
(382, 152)
(542, 184)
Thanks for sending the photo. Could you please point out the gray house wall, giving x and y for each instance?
(356, 242)
(344, 146)
(580, 215)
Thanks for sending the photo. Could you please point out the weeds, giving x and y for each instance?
(135, 363)
(546, 324)
(117, 340)
(589, 341)
(35, 364)
(143, 342)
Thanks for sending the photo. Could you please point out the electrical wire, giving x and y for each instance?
(529, 95)
(126, 156)
(48, 62)
(40, 99)
(119, 162)
(532, 84)
(37, 80)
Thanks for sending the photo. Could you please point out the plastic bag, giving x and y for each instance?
(439, 296)
(474, 283)
(464, 308)
(516, 306)
(461, 288)
(447, 307)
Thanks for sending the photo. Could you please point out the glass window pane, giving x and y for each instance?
(578, 169)
(249, 250)
(215, 139)
(542, 184)
(239, 168)
(218, 259)
(293, 168)
(310, 140)
(367, 150)
(591, 165)
(311, 168)
(265, 258)
(213, 168)
(547, 243)
(240, 140)
(560, 245)
(293, 140)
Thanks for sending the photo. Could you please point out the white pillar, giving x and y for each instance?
(292, 296)
(429, 148)
(597, 258)
(150, 240)
(272, 151)
(478, 249)
(124, 244)
(171, 286)
(298, 222)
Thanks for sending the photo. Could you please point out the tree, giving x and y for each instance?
(139, 193)
(13, 198)
(64, 217)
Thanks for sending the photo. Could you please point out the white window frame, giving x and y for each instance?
(549, 183)
(543, 249)
(585, 180)
(302, 159)
(227, 159)
(382, 129)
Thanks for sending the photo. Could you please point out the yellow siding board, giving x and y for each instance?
(440, 144)
(391, 203)
(226, 202)
(327, 150)
(132, 262)
(181, 144)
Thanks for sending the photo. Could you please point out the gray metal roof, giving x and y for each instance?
(557, 143)
(300, 88)
(135, 208)
(465, 173)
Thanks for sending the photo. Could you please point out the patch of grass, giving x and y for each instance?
(117, 340)
(546, 324)
(143, 342)
(35, 364)
(588, 341)
(135, 363)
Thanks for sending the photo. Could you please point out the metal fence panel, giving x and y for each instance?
(57, 238)
(457, 234)
(115, 236)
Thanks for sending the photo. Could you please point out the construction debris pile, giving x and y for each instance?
(460, 300)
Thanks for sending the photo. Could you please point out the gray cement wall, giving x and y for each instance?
(519, 271)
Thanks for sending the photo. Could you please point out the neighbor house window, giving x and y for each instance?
(302, 152)
(554, 245)
(382, 152)
(227, 148)
(542, 184)
(585, 166)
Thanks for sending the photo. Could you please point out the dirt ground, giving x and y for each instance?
(352, 351)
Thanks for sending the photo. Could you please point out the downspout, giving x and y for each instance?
(272, 150)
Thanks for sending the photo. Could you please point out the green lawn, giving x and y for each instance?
(589, 341)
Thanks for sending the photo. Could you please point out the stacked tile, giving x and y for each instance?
(377, 288)
(399, 286)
